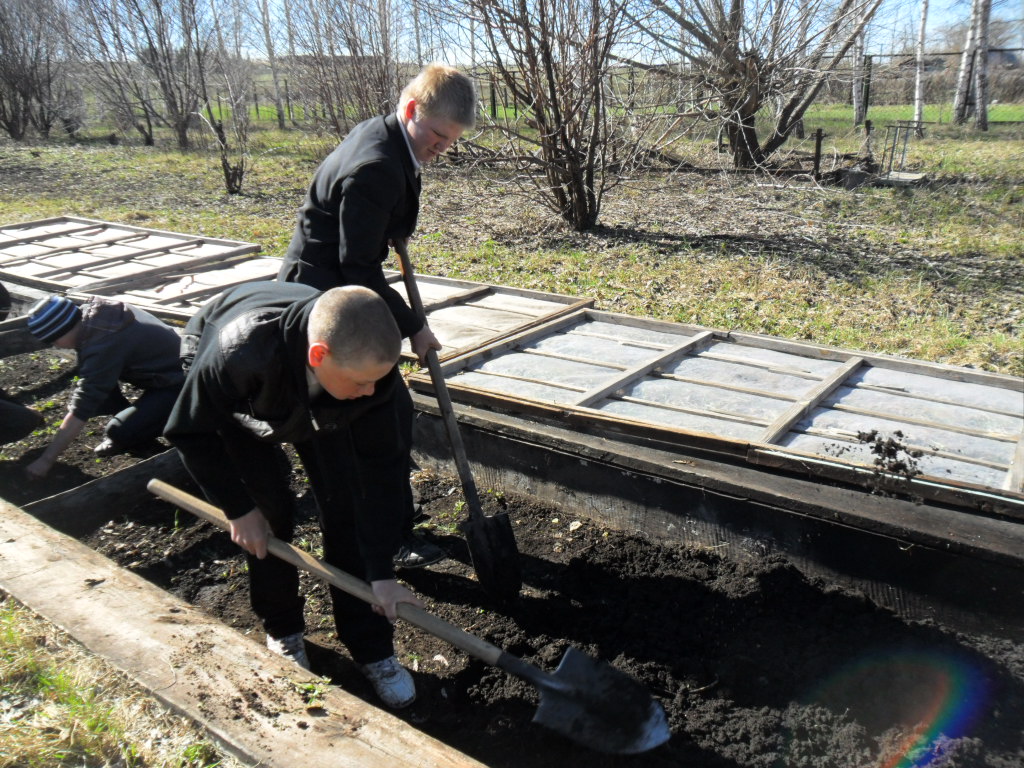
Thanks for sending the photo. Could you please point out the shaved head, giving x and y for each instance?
(356, 326)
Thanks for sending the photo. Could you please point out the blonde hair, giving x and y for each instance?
(442, 91)
(356, 325)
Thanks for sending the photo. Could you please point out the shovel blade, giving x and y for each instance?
(594, 704)
(495, 556)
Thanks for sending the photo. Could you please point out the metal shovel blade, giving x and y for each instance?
(594, 704)
(495, 555)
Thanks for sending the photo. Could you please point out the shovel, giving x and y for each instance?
(586, 700)
(491, 541)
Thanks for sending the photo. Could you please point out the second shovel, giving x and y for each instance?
(491, 541)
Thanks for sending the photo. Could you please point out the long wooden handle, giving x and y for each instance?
(444, 400)
(471, 644)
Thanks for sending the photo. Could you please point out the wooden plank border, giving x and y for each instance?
(199, 666)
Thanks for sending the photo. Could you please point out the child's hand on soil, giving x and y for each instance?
(38, 469)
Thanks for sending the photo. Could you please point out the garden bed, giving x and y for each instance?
(755, 663)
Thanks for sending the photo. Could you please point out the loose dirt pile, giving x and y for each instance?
(756, 665)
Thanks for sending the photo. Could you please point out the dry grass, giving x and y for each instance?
(62, 706)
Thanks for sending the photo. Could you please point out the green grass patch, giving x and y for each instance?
(63, 707)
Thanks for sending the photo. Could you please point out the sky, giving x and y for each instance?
(941, 14)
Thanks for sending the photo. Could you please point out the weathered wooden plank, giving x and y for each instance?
(456, 298)
(433, 285)
(642, 369)
(6, 241)
(939, 440)
(86, 507)
(125, 282)
(51, 252)
(496, 349)
(247, 697)
(74, 221)
(529, 305)
(128, 256)
(739, 376)
(810, 400)
(964, 494)
(473, 316)
(16, 340)
(1015, 476)
(891, 362)
(982, 396)
(14, 323)
(213, 281)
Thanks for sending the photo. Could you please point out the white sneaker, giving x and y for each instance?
(392, 682)
(292, 647)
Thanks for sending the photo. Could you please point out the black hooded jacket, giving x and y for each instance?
(364, 194)
(246, 389)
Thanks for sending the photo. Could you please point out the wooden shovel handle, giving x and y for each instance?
(444, 400)
(471, 644)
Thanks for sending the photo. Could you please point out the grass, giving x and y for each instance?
(61, 706)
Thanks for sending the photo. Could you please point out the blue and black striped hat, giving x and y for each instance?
(53, 317)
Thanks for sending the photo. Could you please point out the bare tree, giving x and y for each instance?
(36, 90)
(919, 68)
(962, 95)
(227, 69)
(554, 57)
(269, 39)
(749, 54)
(972, 78)
(147, 59)
(860, 75)
(981, 66)
(348, 58)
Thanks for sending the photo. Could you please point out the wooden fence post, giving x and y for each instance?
(819, 136)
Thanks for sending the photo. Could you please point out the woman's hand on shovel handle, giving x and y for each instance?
(389, 593)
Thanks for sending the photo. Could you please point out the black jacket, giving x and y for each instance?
(246, 390)
(365, 193)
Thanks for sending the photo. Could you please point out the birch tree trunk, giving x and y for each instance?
(857, 87)
(961, 96)
(919, 71)
(981, 67)
(267, 28)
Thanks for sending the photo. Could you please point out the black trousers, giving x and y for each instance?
(140, 422)
(17, 421)
(333, 469)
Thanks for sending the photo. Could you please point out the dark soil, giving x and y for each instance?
(755, 664)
